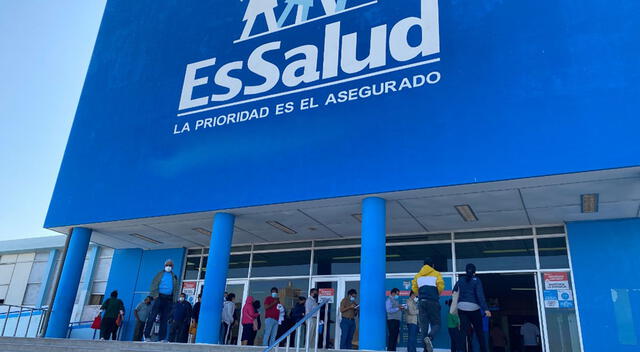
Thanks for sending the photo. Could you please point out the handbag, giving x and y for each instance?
(97, 322)
(454, 303)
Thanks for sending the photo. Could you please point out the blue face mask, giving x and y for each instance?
(396, 297)
(274, 295)
(352, 299)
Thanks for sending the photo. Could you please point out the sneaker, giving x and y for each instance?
(428, 345)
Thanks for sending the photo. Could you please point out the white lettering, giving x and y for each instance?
(222, 78)
(258, 65)
(190, 82)
(309, 66)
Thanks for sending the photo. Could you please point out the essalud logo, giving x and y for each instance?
(312, 63)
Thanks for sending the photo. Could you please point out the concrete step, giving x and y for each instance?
(18, 344)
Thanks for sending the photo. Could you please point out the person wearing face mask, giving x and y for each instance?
(180, 317)
(312, 324)
(428, 284)
(271, 316)
(471, 304)
(349, 311)
(164, 290)
(141, 313)
(394, 316)
(411, 315)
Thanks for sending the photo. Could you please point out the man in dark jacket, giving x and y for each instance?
(164, 289)
(112, 308)
(180, 317)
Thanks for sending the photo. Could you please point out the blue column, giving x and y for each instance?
(373, 317)
(216, 279)
(69, 281)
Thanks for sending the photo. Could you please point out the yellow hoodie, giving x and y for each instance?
(426, 282)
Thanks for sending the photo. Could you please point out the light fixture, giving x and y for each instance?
(505, 251)
(523, 289)
(466, 212)
(589, 203)
(357, 217)
(281, 227)
(202, 231)
(358, 257)
(145, 238)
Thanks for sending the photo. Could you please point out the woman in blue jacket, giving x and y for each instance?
(471, 303)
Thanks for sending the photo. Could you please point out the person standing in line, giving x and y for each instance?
(271, 316)
(457, 337)
(394, 316)
(428, 284)
(228, 309)
(412, 322)
(141, 313)
(180, 318)
(498, 339)
(164, 290)
(297, 313)
(471, 303)
(195, 316)
(256, 306)
(349, 311)
(249, 321)
(112, 308)
(530, 336)
(312, 323)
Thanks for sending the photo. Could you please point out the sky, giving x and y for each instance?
(45, 48)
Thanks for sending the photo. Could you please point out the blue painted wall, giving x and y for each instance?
(606, 263)
(131, 273)
(534, 78)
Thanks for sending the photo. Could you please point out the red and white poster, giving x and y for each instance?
(556, 281)
(189, 289)
(326, 294)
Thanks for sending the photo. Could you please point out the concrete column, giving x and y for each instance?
(69, 281)
(216, 279)
(373, 317)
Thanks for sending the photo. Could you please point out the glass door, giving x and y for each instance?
(335, 290)
(239, 289)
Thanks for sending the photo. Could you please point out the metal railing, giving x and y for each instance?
(19, 310)
(77, 324)
(312, 316)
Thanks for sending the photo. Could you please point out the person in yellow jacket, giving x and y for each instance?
(427, 285)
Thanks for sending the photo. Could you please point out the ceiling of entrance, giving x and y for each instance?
(533, 201)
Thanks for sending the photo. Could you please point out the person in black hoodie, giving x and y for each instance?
(471, 304)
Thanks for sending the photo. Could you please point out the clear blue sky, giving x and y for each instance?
(45, 48)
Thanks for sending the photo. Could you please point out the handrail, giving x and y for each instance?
(313, 314)
(21, 309)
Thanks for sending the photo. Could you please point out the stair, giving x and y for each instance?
(19, 344)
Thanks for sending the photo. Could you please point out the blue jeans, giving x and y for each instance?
(348, 328)
(270, 331)
(412, 343)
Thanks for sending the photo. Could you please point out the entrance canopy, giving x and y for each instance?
(532, 201)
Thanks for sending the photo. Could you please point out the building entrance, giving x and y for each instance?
(335, 290)
(514, 303)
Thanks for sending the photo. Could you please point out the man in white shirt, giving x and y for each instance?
(312, 324)
(530, 337)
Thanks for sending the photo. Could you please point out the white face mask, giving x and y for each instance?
(415, 299)
(181, 299)
(352, 299)
(168, 268)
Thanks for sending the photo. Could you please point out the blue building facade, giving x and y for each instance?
(355, 141)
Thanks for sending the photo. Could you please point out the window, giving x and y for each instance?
(96, 300)
(553, 253)
(191, 268)
(238, 266)
(281, 264)
(496, 255)
(494, 233)
(410, 258)
(336, 261)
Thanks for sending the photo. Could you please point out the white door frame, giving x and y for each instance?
(245, 293)
(341, 281)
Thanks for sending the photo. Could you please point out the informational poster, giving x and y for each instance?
(557, 291)
(189, 289)
(325, 294)
(556, 281)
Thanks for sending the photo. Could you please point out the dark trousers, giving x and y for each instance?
(412, 343)
(531, 348)
(138, 330)
(177, 331)
(429, 316)
(347, 329)
(458, 340)
(499, 349)
(225, 333)
(108, 329)
(393, 327)
(469, 319)
(161, 307)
